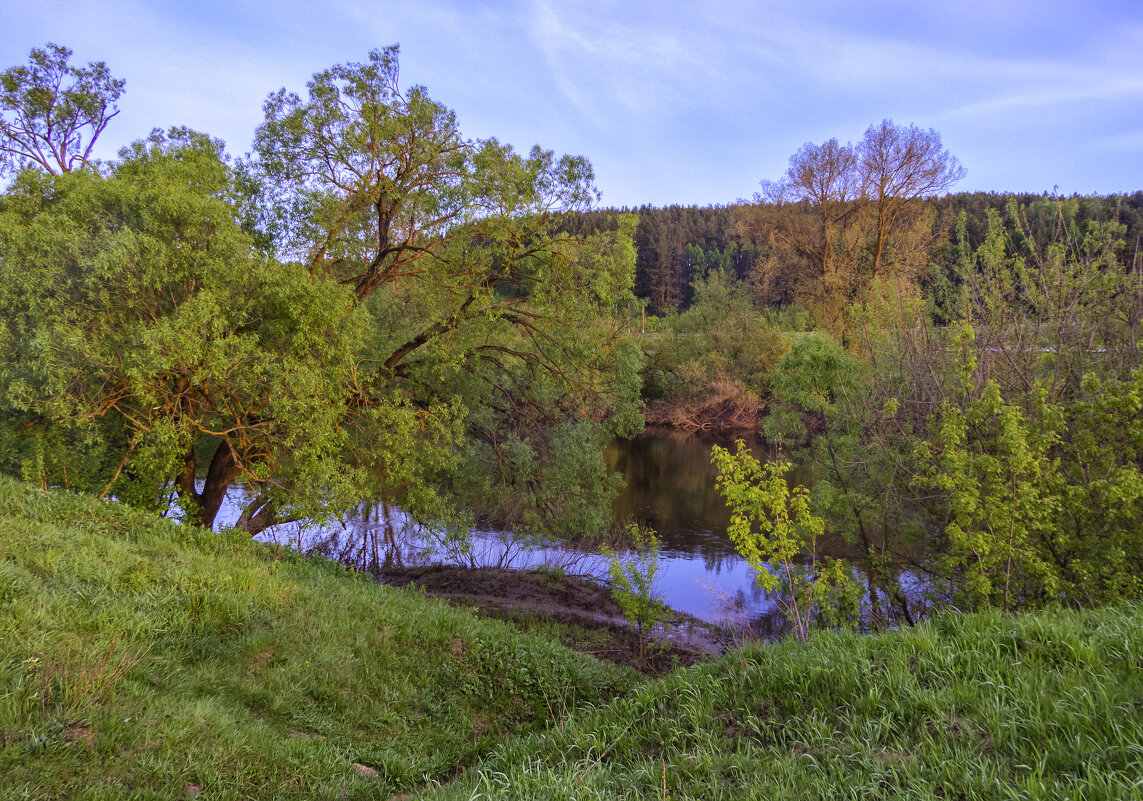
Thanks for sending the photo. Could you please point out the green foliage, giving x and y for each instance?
(1032, 449)
(1003, 492)
(730, 261)
(137, 326)
(541, 405)
(454, 249)
(773, 529)
(721, 334)
(838, 412)
(809, 382)
(789, 318)
(677, 245)
(653, 324)
(369, 181)
(152, 342)
(713, 364)
(999, 452)
(633, 581)
(1004, 474)
(1102, 496)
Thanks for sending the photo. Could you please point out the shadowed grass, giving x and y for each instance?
(964, 707)
(142, 659)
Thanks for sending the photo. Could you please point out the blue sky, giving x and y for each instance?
(673, 102)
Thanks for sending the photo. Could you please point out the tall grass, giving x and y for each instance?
(143, 659)
(965, 707)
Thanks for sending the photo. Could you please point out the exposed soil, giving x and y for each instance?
(576, 610)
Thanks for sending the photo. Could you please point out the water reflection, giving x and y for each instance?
(670, 486)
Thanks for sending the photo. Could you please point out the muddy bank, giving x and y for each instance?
(577, 611)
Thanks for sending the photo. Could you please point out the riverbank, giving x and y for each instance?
(576, 611)
(144, 659)
(140, 659)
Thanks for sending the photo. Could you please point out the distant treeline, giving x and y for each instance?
(676, 244)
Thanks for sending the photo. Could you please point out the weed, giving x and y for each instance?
(65, 687)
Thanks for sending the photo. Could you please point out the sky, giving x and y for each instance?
(672, 102)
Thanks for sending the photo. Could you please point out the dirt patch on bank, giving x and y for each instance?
(578, 611)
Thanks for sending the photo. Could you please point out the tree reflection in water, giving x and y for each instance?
(670, 485)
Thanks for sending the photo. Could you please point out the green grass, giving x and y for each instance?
(964, 707)
(142, 659)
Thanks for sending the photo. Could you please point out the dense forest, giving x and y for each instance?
(961, 371)
(677, 244)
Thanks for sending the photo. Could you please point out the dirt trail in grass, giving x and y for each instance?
(578, 611)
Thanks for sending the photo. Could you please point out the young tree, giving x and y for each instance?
(1003, 495)
(633, 582)
(774, 530)
(51, 113)
(1035, 447)
(840, 413)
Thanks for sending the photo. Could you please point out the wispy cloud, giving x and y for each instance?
(556, 42)
(944, 78)
(605, 65)
(1007, 103)
(673, 100)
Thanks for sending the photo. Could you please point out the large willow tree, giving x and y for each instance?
(372, 306)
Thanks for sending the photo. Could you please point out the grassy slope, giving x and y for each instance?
(143, 659)
(964, 707)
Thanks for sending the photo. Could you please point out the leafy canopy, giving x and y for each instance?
(51, 113)
(371, 306)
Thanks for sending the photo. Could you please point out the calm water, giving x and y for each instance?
(670, 485)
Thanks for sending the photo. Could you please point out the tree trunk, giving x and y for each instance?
(219, 476)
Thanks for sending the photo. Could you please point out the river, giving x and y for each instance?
(670, 485)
